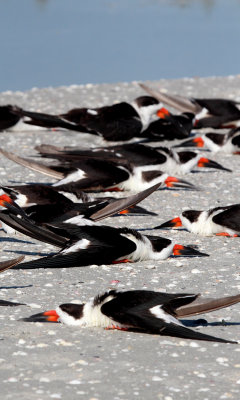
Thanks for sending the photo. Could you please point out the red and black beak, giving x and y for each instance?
(163, 113)
(206, 163)
(7, 202)
(196, 142)
(47, 316)
(187, 251)
(173, 182)
(124, 212)
(172, 223)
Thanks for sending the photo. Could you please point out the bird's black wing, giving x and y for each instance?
(96, 175)
(89, 245)
(4, 265)
(141, 316)
(166, 129)
(205, 305)
(229, 218)
(38, 193)
(219, 107)
(122, 204)
(95, 210)
(51, 121)
(137, 153)
(140, 154)
(28, 228)
(116, 123)
(33, 165)
(180, 103)
(71, 154)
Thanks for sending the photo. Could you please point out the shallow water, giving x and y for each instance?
(59, 42)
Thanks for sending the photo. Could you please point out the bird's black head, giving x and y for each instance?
(74, 310)
(145, 101)
(159, 243)
(191, 215)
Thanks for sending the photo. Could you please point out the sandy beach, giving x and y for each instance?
(54, 361)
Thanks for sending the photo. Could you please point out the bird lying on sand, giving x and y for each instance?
(220, 221)
(209, 113)
(94, 244)
(139, 310)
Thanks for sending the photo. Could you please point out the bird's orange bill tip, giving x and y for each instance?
(169, 182)
(163, 113)
(5, 199)
(237, 152)
(176, 222)
(173, 182)
(124, 211)
(171, 179)
(47, 316)
(177, 249)
(207, 163)
(198, 142)
(51, 315)
(187, 251)
(172, 223)
(124, 260)
(226, 234)
(203, 162)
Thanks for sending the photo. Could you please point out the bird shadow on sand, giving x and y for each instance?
(15, 287)
(203, 322)
(209, 171)
(179, 189)
(13, 240)
(29, 253)
(29, 183)
(161, 229)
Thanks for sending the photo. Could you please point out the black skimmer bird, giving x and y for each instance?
(209, 113)
(8, 118)
(97, 174)
(165, 127)
(220, 221)
(36, 193)
(4, 265)
(11, 119)
(161, 158)
(183, 162)
(169, 126)
(215, 142)
(95, 244)
(139, 310)
(117, 122)
(61, 209)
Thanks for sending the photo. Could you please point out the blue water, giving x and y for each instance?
(61, 42)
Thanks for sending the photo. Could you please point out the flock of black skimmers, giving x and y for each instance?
(138, 166)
